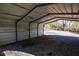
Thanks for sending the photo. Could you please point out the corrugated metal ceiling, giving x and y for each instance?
(16, 11)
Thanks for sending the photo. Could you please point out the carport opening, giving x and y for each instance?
(22, 29)
(61, 27)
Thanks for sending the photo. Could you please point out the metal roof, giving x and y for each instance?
(34, 12)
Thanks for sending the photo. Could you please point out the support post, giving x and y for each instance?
(43, 29)
(29, 29)
(37, 29)
(16, 31)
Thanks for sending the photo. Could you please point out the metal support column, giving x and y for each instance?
(16, 31)
(37, 29)
(29, 30)
(43, 29)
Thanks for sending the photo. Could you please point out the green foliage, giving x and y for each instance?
(55, 26)
(74, 26)
(52, 25)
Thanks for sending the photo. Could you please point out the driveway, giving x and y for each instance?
(63, 36)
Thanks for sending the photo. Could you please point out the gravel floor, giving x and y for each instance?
(41, 46)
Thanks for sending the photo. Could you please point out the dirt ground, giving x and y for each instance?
(41, 46)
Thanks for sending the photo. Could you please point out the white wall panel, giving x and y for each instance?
(7, 33)
(40, 30)
(22, 30)
(33, 30)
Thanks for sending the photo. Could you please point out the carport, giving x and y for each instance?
(25, 21)
(68, 12)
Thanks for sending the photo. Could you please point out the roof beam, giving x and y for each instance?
(55, 9)
(72, 9)
(40, 18)
(54, 14)
(59, 8)
(58, 17)
(46, 4)
(64, 13)
(65, 8)
(25, 15)
(32, 10)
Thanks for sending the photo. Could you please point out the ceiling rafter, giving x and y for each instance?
(54, 14)
(60, 19)
(50, 9)
(78, 10)
(25, 15)
(46, 4)
(55, 9)
(71, 9)
(63, 18)
(31, 11)
(40, 18)
(65, 8)
(59, 8)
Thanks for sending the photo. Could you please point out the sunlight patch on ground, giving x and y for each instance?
(16, 53)
(56, 32)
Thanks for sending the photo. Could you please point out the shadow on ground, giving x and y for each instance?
(48, 45)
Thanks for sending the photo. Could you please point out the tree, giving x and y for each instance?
(52, 25)
(74, 26)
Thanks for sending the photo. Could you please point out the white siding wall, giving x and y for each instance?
(40, 30)
(33, 30)
(22, 30)
(7, 33)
